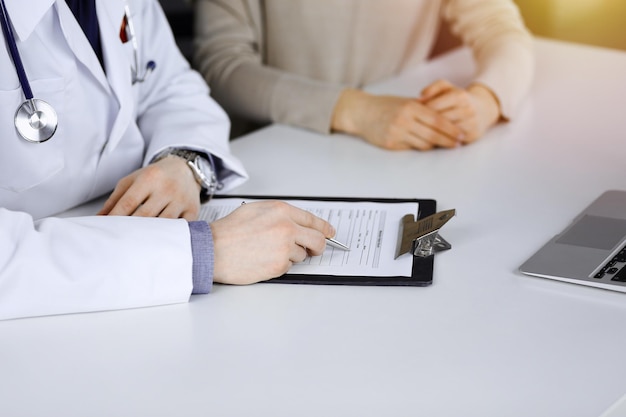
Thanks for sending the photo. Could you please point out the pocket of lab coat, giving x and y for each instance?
(24, 165)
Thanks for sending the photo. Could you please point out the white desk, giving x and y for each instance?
(483, 340)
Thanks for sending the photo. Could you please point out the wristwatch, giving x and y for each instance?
(200, 166)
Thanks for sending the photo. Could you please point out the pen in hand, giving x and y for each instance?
(336, 244)
(330, 241)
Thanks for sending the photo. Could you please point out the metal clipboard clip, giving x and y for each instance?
(422, 237)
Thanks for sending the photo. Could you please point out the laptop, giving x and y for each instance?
(591, 250)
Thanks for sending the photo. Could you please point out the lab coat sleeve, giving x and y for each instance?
(94, 263)
(501, 45)
(174, 105)
(229, 48)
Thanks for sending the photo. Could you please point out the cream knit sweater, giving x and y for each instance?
(287, 61)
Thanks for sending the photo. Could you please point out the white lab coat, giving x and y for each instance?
(107, 129)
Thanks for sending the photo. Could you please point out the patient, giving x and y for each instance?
(304, 62)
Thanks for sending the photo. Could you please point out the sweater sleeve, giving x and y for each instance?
(501, 45)
(229, 54)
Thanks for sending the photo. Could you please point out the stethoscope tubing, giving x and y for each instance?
(35, 120)
(15, 54)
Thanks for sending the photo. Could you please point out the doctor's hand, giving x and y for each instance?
(394, 123)
(166, 188)
(473, 110)
(260, 241)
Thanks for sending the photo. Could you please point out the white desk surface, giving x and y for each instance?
(483, 340)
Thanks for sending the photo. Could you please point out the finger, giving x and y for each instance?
(176, 210)
(415, 142)
(120, 189)
(190, 214)
(448, 100)
(310, 221)
(151, 207)
(458, 115)
(171, 211)
(312, 240)
(129, 202)
(436, 88)
(437, 122)
(471, 129)
(431, 135)
(412, 140)
(298, 254)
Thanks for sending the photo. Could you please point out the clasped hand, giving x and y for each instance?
(443, 116)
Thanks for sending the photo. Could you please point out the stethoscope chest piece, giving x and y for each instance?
(36, 121)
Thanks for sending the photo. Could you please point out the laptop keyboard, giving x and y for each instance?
(614, 269)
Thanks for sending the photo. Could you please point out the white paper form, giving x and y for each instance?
(370, 229)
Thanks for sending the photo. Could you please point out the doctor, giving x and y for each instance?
(94, 97)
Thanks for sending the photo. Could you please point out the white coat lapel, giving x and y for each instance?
(117, 64)
(25, 19)
(79, 44)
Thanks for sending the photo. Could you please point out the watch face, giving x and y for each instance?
(206, 174)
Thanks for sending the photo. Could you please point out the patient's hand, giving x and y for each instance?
(474, 110)
(393, 122)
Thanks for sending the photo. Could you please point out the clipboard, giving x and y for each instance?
(422, 271)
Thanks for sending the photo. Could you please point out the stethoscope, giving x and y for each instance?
(35, 120)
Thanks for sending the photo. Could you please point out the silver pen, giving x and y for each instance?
(336, 244)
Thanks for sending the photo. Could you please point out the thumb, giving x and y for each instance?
(437, 88)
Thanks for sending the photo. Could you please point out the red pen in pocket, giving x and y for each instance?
(124, 34)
